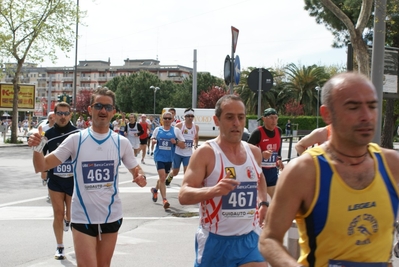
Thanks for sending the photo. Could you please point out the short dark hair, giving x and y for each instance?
(62, 104)
(225, 98)
(104, 91)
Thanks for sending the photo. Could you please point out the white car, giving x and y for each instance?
(245, 135)
(34, 128)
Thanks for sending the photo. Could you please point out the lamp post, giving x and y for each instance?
(318, 97)
(155, 92)
(75, 69)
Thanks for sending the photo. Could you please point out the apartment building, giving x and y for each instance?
(53, 81)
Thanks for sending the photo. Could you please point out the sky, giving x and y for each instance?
(271, 34)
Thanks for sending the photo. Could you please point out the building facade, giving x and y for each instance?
(53, 81)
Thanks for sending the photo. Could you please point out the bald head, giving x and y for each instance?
(346, 80)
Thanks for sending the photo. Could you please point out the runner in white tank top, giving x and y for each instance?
(225, 177)
(182, 155)
(96, 155)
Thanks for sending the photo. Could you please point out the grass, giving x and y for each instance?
(8, 141)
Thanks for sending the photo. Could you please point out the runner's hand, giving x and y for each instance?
(35, 138)
(138, 178)
(225, 185)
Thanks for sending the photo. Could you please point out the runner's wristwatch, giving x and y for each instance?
(263, 203)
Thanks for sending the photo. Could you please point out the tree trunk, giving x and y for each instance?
(14, 125)
(361, 54)
(388, 126)
(15, 82)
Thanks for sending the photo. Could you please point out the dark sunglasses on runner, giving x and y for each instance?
(60, 113)
(99, 106)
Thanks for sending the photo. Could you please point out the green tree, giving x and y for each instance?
(113, 83)
(205, 82)
(352, 22)
(347, 20)
(391, 106)
(33, 30)
(142, 97)
(122, 94)
(301, 85)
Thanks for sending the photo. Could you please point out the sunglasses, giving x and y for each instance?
(60, 113)
(189, 116)
(99, 106)
(167, 118)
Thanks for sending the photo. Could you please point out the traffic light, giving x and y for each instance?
(70, 100)
(59, 98)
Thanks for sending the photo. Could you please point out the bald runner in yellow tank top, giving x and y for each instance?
(344, 223)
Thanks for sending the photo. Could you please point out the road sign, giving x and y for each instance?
(227, 70)
(237, 70)
(234, 34)
(267, 80)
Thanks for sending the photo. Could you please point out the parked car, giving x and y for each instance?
(245, 135)
(34, 128)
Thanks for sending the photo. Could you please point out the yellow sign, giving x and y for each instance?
(232, 172)
(26, 96)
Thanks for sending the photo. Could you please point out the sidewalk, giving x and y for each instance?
(8, 135)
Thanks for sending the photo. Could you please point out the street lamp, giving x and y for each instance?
(318, 97)
(155, 92)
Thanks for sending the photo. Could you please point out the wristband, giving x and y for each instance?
(263, 203)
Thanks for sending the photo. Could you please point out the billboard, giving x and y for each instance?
(26, 97)
(391, 71)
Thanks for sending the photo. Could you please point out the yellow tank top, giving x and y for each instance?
(347, 224)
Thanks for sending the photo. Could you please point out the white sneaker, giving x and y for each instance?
(59, 254)
(66, 225)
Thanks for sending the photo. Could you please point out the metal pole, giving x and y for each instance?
(232, 66)
(76, 62)
(377, 60)
(260, 95)
(155, 93)
(194, 89)
(49, 97)
(317, 109)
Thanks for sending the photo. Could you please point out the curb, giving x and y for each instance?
(12, 145)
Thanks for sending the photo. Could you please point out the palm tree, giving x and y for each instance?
(301, 84)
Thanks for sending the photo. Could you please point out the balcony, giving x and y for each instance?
(67, 79)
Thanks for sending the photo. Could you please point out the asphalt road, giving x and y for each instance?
(149, 236)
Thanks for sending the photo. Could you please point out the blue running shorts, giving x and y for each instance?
(216, 250)
(271, 175)
(164, 165)
(63, 185)
(178, 159)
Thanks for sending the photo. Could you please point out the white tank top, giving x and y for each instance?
(189, 135)
(96, 159)
(237, 212)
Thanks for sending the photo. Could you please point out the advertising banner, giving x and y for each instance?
(26, 96)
